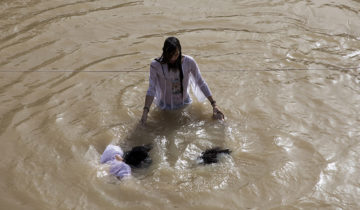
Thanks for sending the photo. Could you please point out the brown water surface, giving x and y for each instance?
(73, 76)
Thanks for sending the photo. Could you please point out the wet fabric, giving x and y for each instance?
(110, 152)
(164, 84)
(117, 168)
(175, 87)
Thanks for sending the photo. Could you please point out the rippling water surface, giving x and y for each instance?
(73, 77)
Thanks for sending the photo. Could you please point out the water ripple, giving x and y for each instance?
(7, 117)
(343, 7)
(182, 31)
(36, 24)
(42, 45)
(81, 68)
(23, 75)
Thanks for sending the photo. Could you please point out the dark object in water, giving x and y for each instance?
(211, 155)
(138, 156)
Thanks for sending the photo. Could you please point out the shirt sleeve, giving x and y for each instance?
(152, 80)
(195, 71)
(110, 152)
(119, 169)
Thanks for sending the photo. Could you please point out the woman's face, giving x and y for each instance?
(174, 57)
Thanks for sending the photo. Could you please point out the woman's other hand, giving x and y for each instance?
(217, 114)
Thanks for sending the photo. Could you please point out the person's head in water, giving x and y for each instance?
(171, 52)
(138, 156)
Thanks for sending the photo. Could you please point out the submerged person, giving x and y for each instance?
(121, 163)
(170, 77)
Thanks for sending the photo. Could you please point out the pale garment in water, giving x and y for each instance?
(286, 74)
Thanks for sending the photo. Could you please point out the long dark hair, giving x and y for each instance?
(138, 156)
(172, 44)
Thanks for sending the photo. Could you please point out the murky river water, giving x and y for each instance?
(73, 77)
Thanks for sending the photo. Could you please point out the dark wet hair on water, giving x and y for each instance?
(138, 157)
(211, 155)
(172, 44)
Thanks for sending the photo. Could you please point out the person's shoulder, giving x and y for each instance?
(189, 58)
(154, 61)
(155, 64)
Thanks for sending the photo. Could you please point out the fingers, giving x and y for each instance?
(143, 118)
(142, 121)
(218, 115)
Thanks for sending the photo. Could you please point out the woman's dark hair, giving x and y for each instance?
(172, 44)
(138, 156)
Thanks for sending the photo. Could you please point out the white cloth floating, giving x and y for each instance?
(117, 168)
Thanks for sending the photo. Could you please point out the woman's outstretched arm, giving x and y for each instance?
(148, 102)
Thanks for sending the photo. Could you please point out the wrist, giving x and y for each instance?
(146, 109)
(213, 103)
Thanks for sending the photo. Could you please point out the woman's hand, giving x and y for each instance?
(217, 114)
(144, 116)
(148, 101)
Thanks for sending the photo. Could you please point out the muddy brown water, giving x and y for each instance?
(73, 77)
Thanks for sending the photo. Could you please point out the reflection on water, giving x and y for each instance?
(73, 77)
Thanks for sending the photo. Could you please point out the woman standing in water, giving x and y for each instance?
(170, 76)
